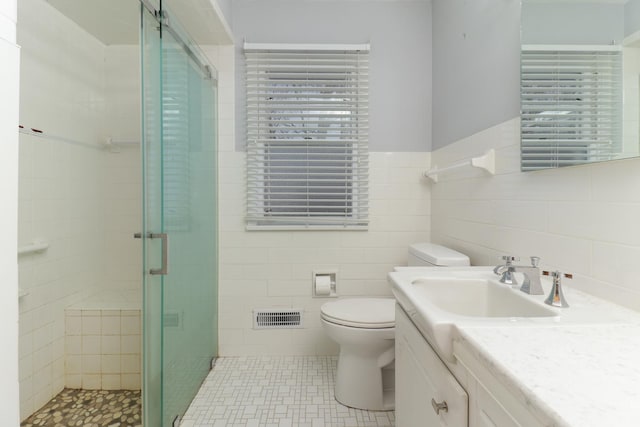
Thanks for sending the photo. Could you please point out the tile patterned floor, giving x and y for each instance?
(89, 408)
(290, 391)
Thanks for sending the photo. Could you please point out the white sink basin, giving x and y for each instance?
(438, 299)
(476, 298)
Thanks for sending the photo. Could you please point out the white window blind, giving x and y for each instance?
(571, 101)
(307, 136)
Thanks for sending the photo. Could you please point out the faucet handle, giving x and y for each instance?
(508, 259)
(557, 274)
(535, 260)
(556, 297)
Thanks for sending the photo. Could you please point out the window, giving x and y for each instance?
(571, 101)
(307, 136)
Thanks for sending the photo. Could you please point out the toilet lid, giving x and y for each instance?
(373, 313)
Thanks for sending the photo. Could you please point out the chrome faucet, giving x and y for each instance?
(556, 297)
(531, 284)
(506, 271)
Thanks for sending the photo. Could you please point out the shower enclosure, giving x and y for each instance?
(179, 228)
(118, 135)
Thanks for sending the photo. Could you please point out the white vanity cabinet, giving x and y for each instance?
(423, 382)
(422, 376)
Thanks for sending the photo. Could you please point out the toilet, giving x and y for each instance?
(364, 328)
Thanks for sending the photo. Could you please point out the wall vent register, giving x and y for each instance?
(277, 319)
(307, 136)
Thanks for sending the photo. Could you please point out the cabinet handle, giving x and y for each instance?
(439, 406)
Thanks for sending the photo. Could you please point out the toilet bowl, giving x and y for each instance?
(365, 330)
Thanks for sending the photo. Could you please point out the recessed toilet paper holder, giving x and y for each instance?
(324, 283)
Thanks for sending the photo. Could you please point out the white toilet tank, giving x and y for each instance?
(432, 255)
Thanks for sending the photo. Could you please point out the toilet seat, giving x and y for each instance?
(367, 313)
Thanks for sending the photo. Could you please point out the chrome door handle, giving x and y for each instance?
(165, 253)
(163, 270)
(439, 406)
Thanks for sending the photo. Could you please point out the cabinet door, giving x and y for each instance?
(421, 378)
(489, 412)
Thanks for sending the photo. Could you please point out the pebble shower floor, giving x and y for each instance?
(89, 408)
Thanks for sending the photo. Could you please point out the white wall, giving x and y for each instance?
(400, 58)
(631, 17)
(573, 23)
(9, 83)
(474, 77)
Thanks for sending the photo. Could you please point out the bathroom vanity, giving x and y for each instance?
(423, 382)
(571, 367)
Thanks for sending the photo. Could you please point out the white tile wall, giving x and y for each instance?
(9, 368)
(260, 269)
(122, 192)
(103, 349)
(84, 201)
(58, 197)
(582, 220)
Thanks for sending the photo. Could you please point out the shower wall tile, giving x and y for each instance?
(111, 344)
(122, 174)
(111, 382)
(84, 200)
(122, 91)
(110, 325)
(271, 269)
(130, 381)
(101, 358)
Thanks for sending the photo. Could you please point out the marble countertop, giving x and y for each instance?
(578, 368)
(574, 374)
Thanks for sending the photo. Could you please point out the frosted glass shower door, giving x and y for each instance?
(180, 223)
